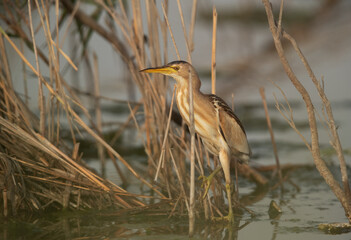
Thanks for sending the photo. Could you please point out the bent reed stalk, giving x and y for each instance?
(40, 170)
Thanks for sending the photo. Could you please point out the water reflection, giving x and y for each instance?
(91, 226)
(146, 224)
(303, 209)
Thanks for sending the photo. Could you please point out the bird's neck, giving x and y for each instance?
(182, 93)
(196, 84)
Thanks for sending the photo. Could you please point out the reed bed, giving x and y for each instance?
(42, 170)
(37, 174)
(39, 170)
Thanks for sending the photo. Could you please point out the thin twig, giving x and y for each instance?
(170, 31)
(192, 159)
(269, 124)
(184, 31)
(213, 59)
(343, 196)
(335, 136)
(163, 149)
(98, 115)
(181, 181)
(192, 26)
(41, 96)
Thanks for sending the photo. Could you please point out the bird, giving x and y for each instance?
(220, 129)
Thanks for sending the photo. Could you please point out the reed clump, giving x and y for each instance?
(38, 175)
(39, 170)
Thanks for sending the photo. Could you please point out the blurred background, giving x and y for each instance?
(246, 60)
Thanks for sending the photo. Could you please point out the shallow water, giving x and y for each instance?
(303, 210)
(304, 207)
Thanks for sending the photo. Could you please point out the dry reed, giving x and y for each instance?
(269, 124)
(40, 170)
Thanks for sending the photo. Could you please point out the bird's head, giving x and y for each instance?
(181, 71)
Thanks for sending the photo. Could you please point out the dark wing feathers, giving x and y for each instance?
(215, 100)
(236, 140)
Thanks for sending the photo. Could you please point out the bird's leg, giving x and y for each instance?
(230, 216)
(225, 162)
(207, 181)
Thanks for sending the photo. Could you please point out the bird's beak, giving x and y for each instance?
(165, 70)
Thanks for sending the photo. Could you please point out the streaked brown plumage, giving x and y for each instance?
(220, 129)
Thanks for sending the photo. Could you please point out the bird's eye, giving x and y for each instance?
(176, 68)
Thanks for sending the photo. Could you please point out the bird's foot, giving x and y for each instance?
(229, 218)
(207, 181)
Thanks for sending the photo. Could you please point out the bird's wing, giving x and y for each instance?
(231, 129)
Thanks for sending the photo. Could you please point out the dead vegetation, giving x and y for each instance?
(341, 192)
(39, 170)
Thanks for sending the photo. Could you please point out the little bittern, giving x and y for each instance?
(221, 131)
